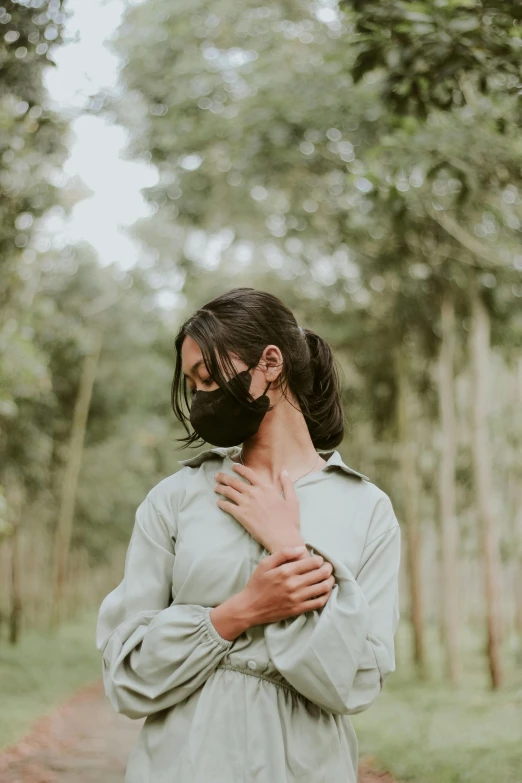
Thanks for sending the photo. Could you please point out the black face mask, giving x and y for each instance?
(220, 420)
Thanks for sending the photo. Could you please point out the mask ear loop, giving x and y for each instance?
(266, 387)
(268, 384)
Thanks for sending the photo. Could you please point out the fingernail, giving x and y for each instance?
(285, 472)
(299, 548)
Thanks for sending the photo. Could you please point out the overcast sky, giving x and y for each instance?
(83, 67)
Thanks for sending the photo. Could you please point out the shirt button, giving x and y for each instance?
(252, 665)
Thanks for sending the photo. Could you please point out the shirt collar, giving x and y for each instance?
(333, 459)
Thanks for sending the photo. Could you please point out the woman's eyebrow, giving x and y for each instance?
(193, 368)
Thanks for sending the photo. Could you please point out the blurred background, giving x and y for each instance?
(362, 161)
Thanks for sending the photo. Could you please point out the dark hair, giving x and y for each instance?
(243, 321)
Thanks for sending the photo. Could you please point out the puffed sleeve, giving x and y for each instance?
(340, 655)
(155, 653)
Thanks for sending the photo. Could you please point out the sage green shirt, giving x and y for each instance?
(273, 705)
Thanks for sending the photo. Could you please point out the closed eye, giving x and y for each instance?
(207, 382)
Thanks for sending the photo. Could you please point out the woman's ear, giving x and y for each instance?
(272, 362)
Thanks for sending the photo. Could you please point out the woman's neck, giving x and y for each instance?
(282, 441)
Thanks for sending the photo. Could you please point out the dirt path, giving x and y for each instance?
(85, 741)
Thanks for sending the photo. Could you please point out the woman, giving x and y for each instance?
(260, 597)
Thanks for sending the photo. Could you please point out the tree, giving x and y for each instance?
(366, 211)
(438, 55)
(32, 147)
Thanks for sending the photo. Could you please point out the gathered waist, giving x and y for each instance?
(261, 676)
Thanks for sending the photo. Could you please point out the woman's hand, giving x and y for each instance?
(285, 584)
(258, 506)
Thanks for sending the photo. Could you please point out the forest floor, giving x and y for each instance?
(85, 741)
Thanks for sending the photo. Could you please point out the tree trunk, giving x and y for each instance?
(450, 592)
(15, 609)
(482, 470)
(409, 506)
(518, 513)
(14, 499)
(71, 474)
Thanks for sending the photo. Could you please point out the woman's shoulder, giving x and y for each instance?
(378, 510)
(216, 453)
(375, 508)
(372, 494)
(367, 491)
(168, 493)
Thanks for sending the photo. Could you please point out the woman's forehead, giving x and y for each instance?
(191, 356)
(190, 348)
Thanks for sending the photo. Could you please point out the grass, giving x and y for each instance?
(428, 732)
(43, 670)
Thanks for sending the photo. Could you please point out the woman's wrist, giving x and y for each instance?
(287, 540)
(232, 617)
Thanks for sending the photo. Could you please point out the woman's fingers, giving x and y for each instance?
(311, 566)
(316, 575)
(248, 473)
(314, 591)
(282, 556)
(228, 492)
(303, 565)
(288, 486)
(231, 481)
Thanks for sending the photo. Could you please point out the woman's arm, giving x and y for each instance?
(339, 656)
(154, 654)
(233, 617)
